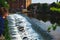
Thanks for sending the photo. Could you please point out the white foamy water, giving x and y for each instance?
(21, 29)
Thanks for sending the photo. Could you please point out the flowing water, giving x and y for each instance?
(23, 28)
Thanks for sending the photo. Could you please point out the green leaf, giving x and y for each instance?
(54, 28)
(49, 28)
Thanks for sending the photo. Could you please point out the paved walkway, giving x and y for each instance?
(56, 34)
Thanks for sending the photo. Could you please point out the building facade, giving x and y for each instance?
(19, 4)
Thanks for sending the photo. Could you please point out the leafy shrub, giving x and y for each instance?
(55, 9)
(6, 32)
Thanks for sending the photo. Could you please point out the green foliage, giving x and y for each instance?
(53, 27)
(45, 7)
(53, 4)
(49, 28)
(6, 32)
(30, 7)
(4, 3)
(58, 3)
(55, 9)
(39, 7)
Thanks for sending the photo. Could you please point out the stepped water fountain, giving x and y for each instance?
(21, 28)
